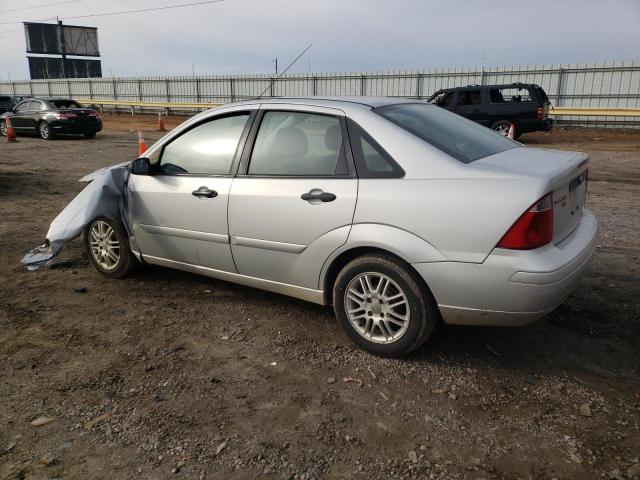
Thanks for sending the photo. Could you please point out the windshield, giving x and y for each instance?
(463, 139)
(66, 104)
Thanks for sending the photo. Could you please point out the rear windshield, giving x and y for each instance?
(463, 139)
(65, 104)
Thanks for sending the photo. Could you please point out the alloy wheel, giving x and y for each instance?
(105, 246)
(377, 307)
(3, 128)
(44, 130)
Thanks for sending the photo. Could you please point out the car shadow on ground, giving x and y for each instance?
(578, 339)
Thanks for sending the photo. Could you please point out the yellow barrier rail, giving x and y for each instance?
(557, 111)
(596, 112)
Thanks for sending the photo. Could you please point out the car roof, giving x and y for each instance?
(335, 101)
(475, 86)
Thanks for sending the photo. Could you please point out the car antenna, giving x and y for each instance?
(284, 71)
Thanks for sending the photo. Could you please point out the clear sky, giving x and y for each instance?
(244, 36)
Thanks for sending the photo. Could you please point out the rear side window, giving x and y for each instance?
(469, 97)
(207, 149)
(23, 107)
(463, 139)
(297, 144)
(372, 161)
(510, 95)
(66, 104)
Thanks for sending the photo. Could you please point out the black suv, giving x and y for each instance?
(526, 105)
(49, 117)
(7, 102)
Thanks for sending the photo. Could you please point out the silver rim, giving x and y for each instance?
(105, 247)
(3, 129)
(502, 130)
(44, 130)
(377, 308)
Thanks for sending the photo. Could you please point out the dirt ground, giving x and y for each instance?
(172, 375)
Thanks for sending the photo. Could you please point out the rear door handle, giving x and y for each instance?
(318, 195)
(204, 192)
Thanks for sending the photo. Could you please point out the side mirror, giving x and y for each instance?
(141, 166)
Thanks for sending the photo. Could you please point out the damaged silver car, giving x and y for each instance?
(397, 213)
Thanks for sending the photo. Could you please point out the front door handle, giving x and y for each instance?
(204, 192)
(316, 195)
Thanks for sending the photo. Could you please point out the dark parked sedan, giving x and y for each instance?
(49, 117)
(7, 102)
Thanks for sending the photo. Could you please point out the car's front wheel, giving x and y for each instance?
(45, 131)
(383, 305)
(107, 245)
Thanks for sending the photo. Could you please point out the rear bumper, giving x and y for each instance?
(62, 126)
(512, 287)
(544, 125)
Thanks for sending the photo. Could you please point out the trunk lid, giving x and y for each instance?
(564, 174)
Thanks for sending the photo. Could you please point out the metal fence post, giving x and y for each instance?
(139, 90)
(90, 88)
(559, 89)
(197, 90)
(115, 94)
(13, 87)
(49, 87)
(315, 85)
(31, 88)
(363, 85)
(69, 87)
(166, 82)
(482, 75)
(271, 82)
(232, 89)
(418, 86)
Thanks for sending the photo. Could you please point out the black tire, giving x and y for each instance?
(501, 126)
(3, 128)
(126, 263)
(423, 310)
(90, 134)
(45, 132)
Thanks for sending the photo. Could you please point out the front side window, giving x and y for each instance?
(23, 107)
(443, 99)
(463, 139)
(207, 149)
(296, 144)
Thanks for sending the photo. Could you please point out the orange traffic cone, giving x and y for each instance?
(11, 133)
(142, 147)
(160, 123)
(512, 131)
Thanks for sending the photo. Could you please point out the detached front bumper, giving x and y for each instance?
(512, 287)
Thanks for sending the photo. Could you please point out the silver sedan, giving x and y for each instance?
(399, 214)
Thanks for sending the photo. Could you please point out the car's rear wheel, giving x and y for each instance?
(107, 245)
(3, 128)
(45, 131)
(383, 305)
(90, 134)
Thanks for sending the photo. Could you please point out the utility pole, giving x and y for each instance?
(62, 47)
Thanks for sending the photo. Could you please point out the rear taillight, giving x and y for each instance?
(533, 229)
(540, 114)
(65, 116)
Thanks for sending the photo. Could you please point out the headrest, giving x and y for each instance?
(333, 138)
(289, 142)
